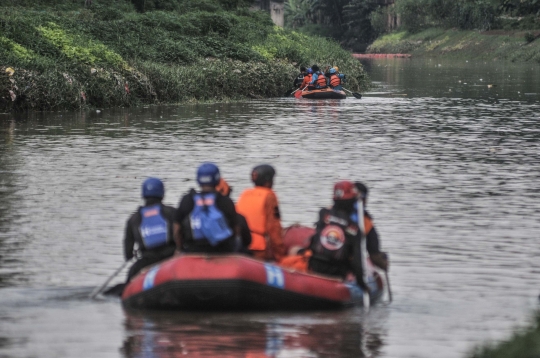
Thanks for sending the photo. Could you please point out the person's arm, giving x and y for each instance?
(129, 241)
(177, 236)
(372, 242)
(245, 233)
(183, 211)
(273, 227)
(230, 213)
(378, 258)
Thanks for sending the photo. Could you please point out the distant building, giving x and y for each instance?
(274, 7)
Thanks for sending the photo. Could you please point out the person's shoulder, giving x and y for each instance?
(220, 198)
(135, 215)
(189, 195)
(169, 210)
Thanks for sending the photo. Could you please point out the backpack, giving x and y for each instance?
(154, 229)
(207, 221)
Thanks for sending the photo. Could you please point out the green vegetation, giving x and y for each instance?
(489, 45)
(355, 23)
(523, 344)
(65, 54)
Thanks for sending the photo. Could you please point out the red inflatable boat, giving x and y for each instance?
(324, 93)
(235, 282)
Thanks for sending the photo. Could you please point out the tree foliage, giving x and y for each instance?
(353, 22)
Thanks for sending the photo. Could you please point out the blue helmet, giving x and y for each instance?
(153, 188)
(208, 174)
(309, 70)
(332, 70)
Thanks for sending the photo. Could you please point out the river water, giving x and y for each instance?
(450, 151)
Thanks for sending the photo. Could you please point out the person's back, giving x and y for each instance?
(318, 81)
(300, 78)
(206, 221)
(335, 246)
(150, 228)
(335, 80)
(259, 205)
(307, 79)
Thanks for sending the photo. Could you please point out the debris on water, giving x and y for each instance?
(98, 111)
(217, 110)
(490, 86)
(481, 79)
(459, 81)
(439, 65)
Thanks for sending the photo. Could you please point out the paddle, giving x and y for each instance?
(363, 249)
(388, 286)
(298, 94)
(98, 289)
(355, 94)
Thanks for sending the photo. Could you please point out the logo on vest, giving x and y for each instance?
(332, 238)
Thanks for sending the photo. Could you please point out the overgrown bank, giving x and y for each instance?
(487, 45)
(523, 344)
(68, 56)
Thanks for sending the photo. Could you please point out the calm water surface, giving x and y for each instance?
(452, 163)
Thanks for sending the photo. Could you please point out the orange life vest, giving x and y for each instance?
(251, 205)
(321, 81)
(368, 224)
(335, 80)
(307, 80)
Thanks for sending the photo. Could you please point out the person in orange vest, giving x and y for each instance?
(336, 79)
(318, 80)
(259, 205)
(307, 79)
(377, 257)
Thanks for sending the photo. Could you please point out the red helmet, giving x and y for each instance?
(345, 190)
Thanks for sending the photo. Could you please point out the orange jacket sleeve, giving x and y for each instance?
(273, 227)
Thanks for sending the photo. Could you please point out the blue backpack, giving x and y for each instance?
(207, 221)
(154, 228)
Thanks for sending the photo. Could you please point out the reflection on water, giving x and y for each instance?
(210, 335)
(454, 191)
(438, 77)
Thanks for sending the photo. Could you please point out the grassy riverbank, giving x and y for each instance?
(487, 45)
(523, 344)
(67, 56)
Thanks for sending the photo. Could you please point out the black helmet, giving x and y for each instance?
(362, 189)
(315, 68)
(262, 174)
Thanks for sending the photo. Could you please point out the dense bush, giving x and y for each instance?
(110, 54)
